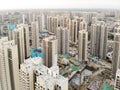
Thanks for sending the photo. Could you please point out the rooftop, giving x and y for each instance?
(74, 68)
(11, 26)
(106, 87)
(36, 52)
(64, 56)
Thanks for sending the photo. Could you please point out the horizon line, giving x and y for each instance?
(59, 9)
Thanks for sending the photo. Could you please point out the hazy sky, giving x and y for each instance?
(34, 4)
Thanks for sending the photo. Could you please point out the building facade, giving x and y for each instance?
(50, 51)
(117, 80)
(116, 54)
(21, 37)
(98, 40)
(35, 34)
(82, 45)
(63, 40)
(9, 64)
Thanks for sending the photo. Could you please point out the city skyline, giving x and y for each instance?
(60, 49)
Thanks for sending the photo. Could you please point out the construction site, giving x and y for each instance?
(94, 75)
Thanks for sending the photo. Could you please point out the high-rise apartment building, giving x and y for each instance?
(63, 40)
(52, 24)
(69, 26)
(117, 15)
(10, 34)
(21, 37)
(82, 45)
(116, 54)
(49, 23)
(11, 28)
(31, 17)
(98, 40)
(63, 21)
(19, 40)
(26, 73)
(89, 15)
(35, 34)
(75, 26)
(117, 80)
(74, 30)
(55, 24)
(23, 19)
(82, 25)
(4, 30)
(9, 68)
(50, 51)
(26, 38)
(59, 38)
(49, 79)
(35, 76)
(41, 22)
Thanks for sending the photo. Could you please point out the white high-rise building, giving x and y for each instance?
(117, 15)
(41, 22)
(69, 26)
(117, 80)
(74, 30)
(89, 15)
(31, 17)
(9, 68)
(11, 28)
(63, 40)
(52, 24)
(98, 40)
(19, 40)
(49, 23)
(63, 20)
(75, 26)
(59, 38)
(35, 34)
(82, 25)
(116, 54)
(26, 39)
(26, 73)
(44, 83)
(55, 24)
(23, 19)
(10, 34)
(50, 51)
(49, 79)
(21, 37)
(35, 76)
(82, 45)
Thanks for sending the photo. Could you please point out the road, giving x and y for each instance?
(97, 72)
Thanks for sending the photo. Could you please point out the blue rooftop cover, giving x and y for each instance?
(106, 87)
(11, 26)
(36, 52)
